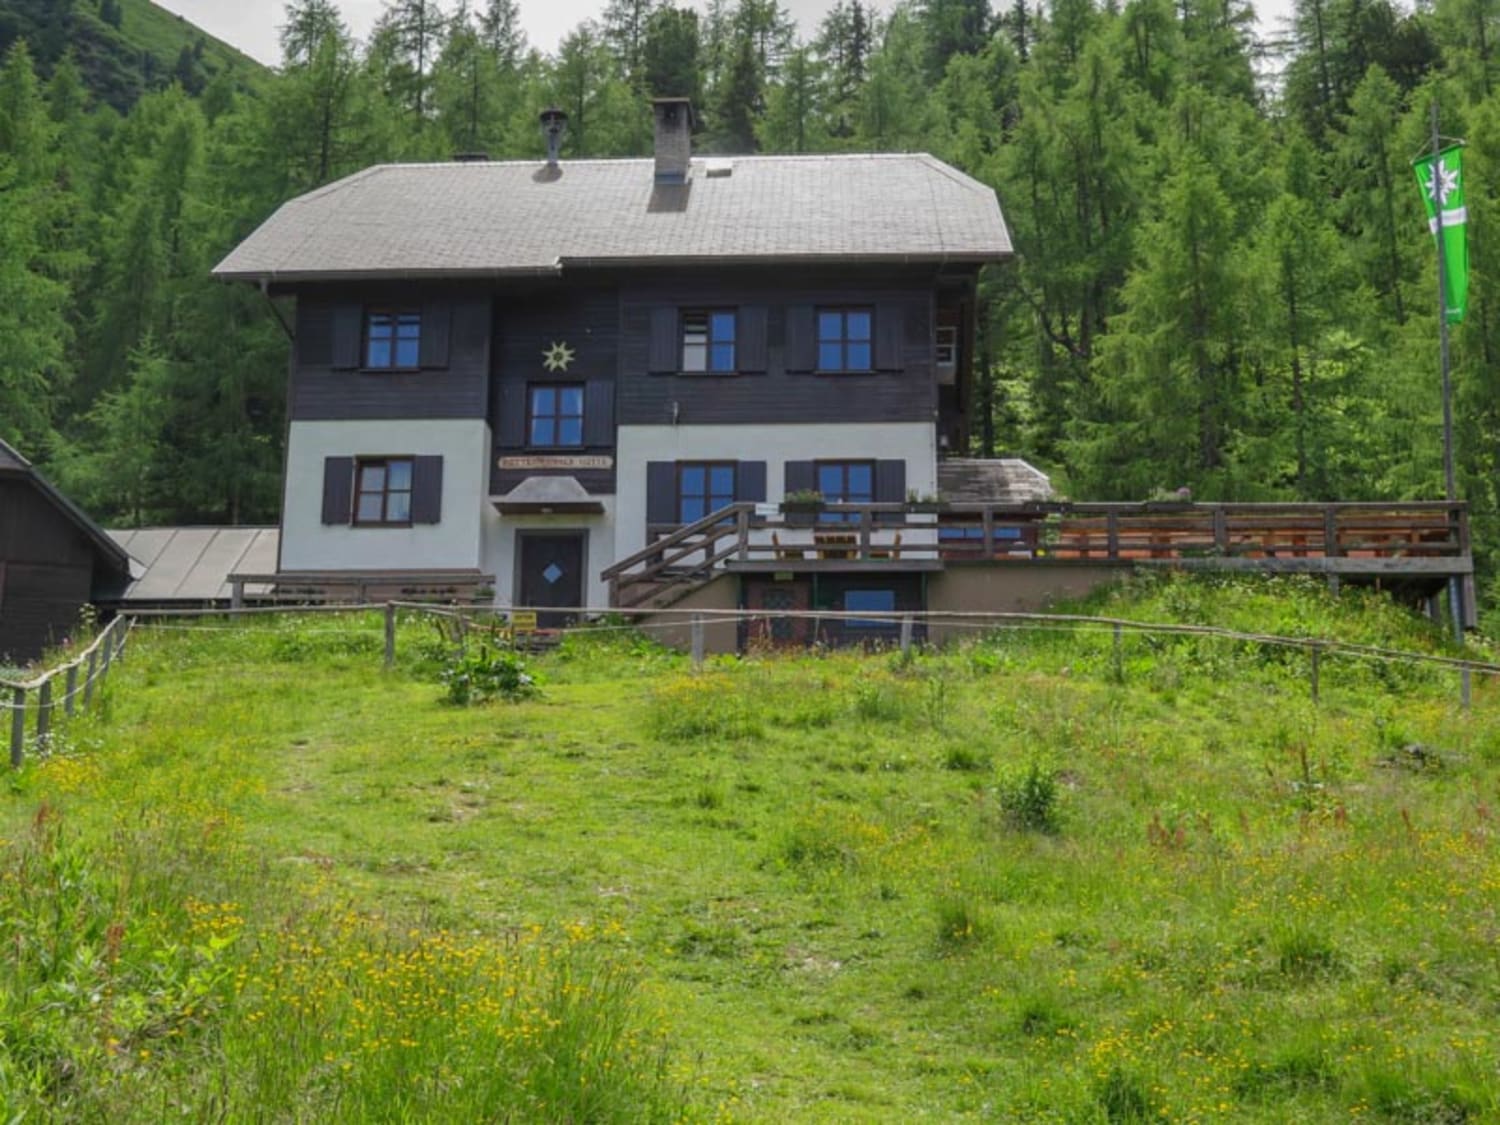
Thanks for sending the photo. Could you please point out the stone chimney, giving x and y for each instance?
(674, 139)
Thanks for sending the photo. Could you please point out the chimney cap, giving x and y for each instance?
(674, 103)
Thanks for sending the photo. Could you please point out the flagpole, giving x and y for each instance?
(1450, 483)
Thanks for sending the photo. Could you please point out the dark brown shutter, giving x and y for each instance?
(801, 340)
(347, 330)
(314, 335)
(890, 332)
(750, 344)
(599, 412)
(890, 487)
(437, 320)
(512, 413)
(427, 490)
(750, 481)
(662, 355)
(338, 489)
(661, 492)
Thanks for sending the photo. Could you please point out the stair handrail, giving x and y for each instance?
(717, 519)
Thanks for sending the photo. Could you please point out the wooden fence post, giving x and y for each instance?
(1119, 656)
(390, 635)
(17, 726)
(88, 679)
(1464, 688)
(43, 713)
(70, 684)
(906, 634)
(1314, 653)
(697, 631)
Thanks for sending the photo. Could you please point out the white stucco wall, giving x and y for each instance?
(913, 442)
(452, 543)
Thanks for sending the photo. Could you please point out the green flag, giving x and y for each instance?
(1442, 182)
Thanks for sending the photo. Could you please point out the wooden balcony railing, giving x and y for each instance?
(745, 536)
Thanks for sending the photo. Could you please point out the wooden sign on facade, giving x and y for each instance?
(557, 461)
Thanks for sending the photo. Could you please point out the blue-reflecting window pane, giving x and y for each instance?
(379, 354)
(398, 507)
(692, 479)
(409, 326)
(722, 358)
(830, 326)
(543, 401)
(541, 431)
(869, 601)
(857, 325)
(830, 481)
(572, 401)
(721, 482)
(722, 326)
(407, 353)
(692, 509)
(569, 431)
(830, 357)
(857, 357)
(399, 474)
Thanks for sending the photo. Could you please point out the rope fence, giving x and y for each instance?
(84, 674)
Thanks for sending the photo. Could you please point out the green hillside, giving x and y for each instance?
(1013, 881)
(124, 47)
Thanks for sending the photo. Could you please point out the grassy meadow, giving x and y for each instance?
(268, 880)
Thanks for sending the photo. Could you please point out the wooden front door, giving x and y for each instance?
(551, 570)
(776, 598)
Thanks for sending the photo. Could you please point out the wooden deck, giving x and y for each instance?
(1425, 542)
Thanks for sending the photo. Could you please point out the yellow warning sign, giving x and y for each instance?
(523, 620)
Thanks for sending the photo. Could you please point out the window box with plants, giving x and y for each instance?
(923, 501)
(801, 507)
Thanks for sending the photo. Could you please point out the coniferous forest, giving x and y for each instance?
(1224, 280)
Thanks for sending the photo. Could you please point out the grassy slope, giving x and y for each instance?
(1246, 915)
(148, 27)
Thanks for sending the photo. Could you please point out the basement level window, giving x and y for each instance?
(393, 339)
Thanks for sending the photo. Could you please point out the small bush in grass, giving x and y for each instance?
(1029, 799)
(486, 673)
(1304, 954)
(960, 924)
(1124, 1098)
(964, 758)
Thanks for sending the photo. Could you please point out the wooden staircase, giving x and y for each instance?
(666, 571)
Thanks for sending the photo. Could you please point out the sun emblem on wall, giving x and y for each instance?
(557, 357)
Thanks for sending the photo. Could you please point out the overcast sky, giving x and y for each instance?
(251, 25)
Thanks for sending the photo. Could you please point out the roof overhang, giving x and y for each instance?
(545, 496)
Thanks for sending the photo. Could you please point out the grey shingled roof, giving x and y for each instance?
(497, 218)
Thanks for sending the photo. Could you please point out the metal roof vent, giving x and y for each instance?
(471, 157)
(718, 169)
(554, 125)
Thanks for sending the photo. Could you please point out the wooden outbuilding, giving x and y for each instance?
(53, 561)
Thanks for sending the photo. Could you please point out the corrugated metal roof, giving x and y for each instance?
(511, 217)
(193, 564)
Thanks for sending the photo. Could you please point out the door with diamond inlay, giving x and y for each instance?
(551, 571)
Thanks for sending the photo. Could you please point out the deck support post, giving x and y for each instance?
(697, 634)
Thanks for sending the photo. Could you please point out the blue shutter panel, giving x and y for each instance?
(662, 354)
(661, 492)
(750, 482)
(436, 325)
(348, 329)
(338, 489)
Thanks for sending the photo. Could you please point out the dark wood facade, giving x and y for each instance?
(483, 345)
(52, 562)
